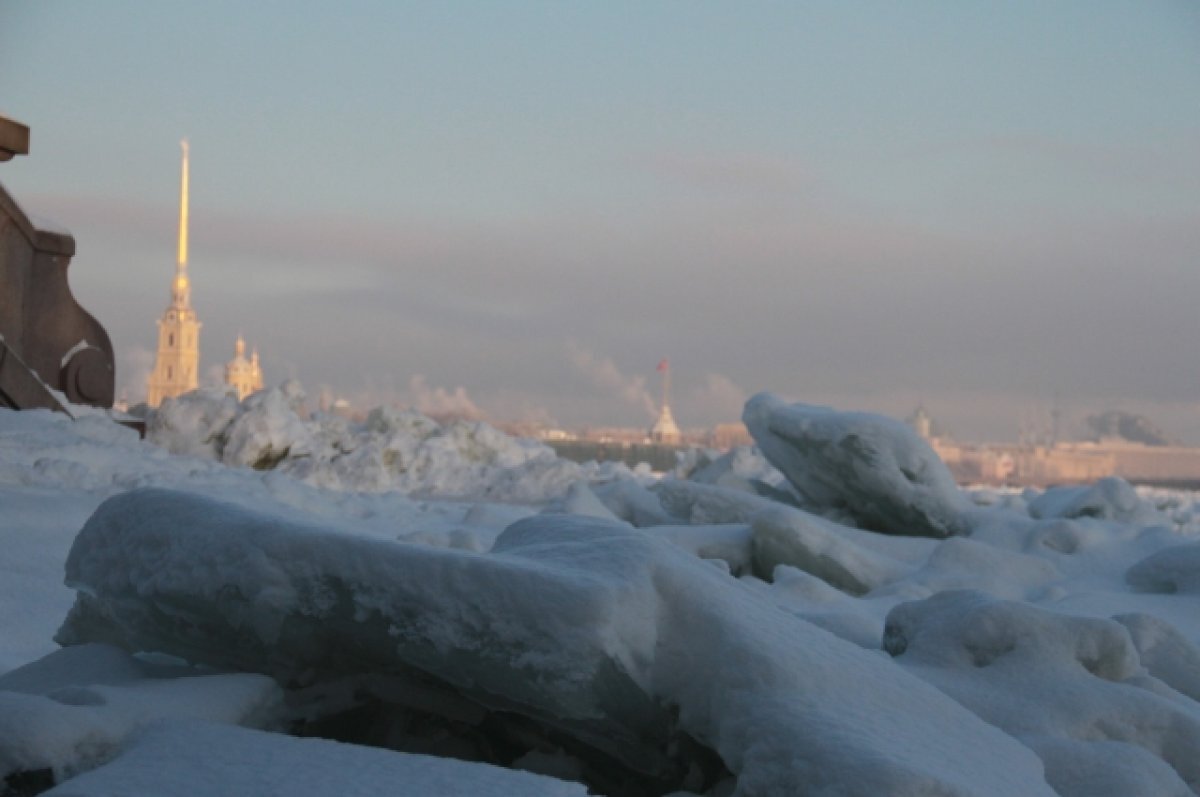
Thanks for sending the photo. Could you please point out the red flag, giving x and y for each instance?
(662, 365)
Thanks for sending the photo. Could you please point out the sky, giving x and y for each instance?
(987, 208)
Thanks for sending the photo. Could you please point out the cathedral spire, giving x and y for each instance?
(181, 288)
(177, 365)
(183, 209)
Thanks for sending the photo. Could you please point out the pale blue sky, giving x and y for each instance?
(974, 205)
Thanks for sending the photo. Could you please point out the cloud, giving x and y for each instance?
(604, 374)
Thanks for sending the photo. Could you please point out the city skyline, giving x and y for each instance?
(524, 208)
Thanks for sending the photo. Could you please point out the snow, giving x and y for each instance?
(197, 759)
(393, 450)
(875, 469)
(1175, 569)
(461, 606)
(1072, 688)
(78, 347)
(1111, 499)
(76, 708)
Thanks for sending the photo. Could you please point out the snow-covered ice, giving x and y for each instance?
(470, 606)
(876, 470)
(392, 450)
(197, 759)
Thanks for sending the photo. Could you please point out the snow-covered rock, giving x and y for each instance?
(875, 469)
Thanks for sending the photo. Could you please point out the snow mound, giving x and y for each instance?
(1071, 688)
(1165, 652)
(741, 468)
(197, 759)
(617, 639)
(393, 450)
(1175, 569)
(76, 708)
(1112, 498)
(812, 544)
(194, 424)
(875, 469)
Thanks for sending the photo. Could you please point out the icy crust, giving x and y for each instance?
(611, 634)
(400, 450)
(76, 708)
(1071, 688)
(875, 469)
(197, 759)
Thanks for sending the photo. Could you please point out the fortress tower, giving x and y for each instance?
(177, 365)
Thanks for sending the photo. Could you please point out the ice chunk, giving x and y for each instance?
(580, 500)
(729, 543)
(393, 450)
(876, 469)
(193, 424)
(1166, 653)
(812, 544)
(742, 468)
(1111, 498)
(1174, 569)
(961, 563)
(267, 431)
(703, 504)
(601, 631)
(1072, 688)
(635, 504)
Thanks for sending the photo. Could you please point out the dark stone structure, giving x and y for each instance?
(47, 341)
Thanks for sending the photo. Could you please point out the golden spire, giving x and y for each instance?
(183, 209)
(181, 289)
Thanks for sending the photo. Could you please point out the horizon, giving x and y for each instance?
(986, 211)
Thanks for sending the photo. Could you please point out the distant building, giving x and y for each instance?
(921, 422)
(729, 435)
(665, 430)
(243, 375)
(177, 364)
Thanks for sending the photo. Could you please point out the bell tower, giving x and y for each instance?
(176, 368)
